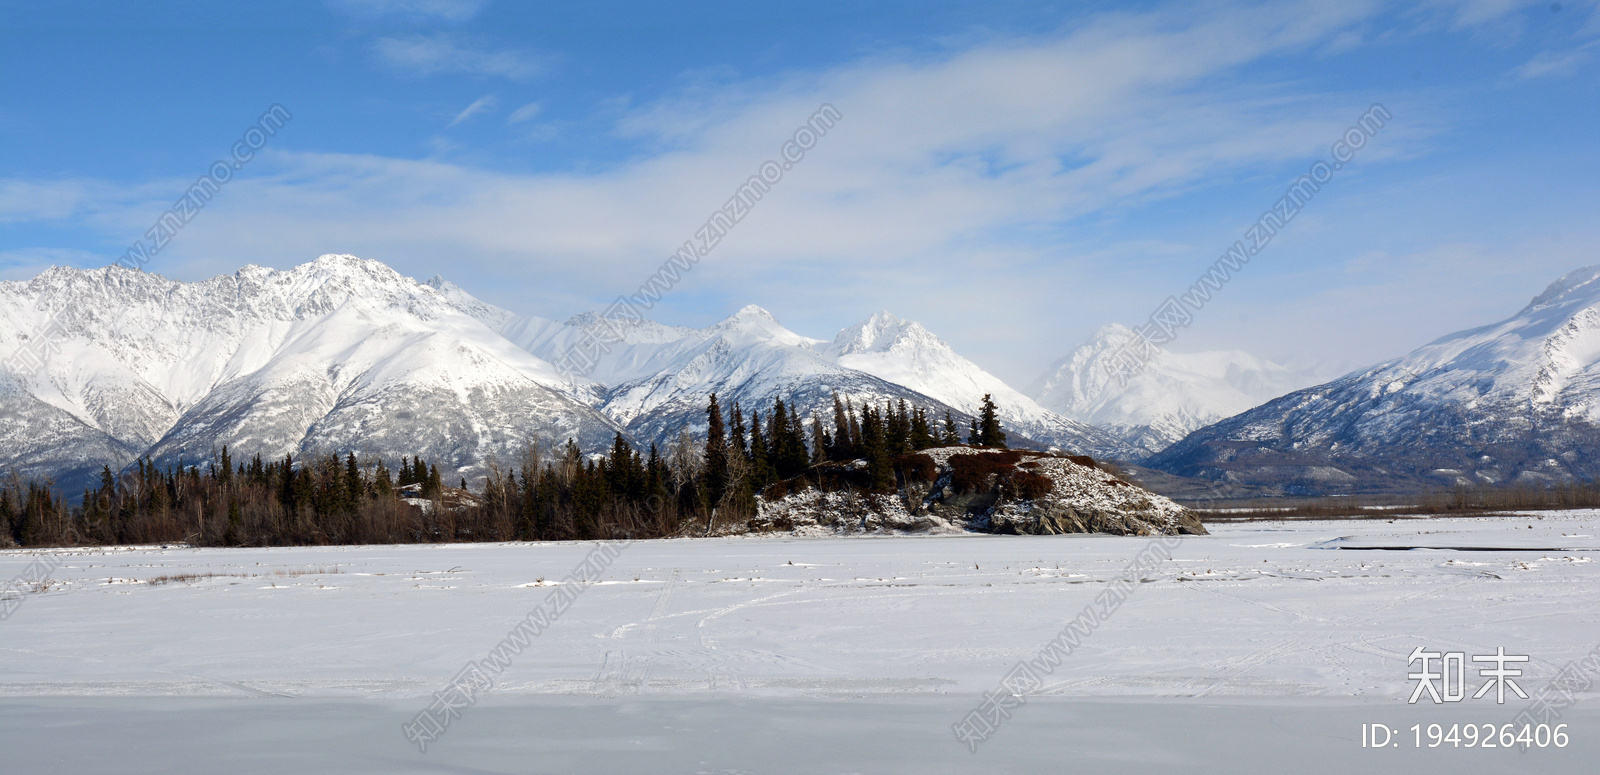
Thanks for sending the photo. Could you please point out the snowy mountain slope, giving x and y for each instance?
(658, 378)
(1515, 401)
(343, 354)
(906, 353)
(338, 354)
(747, 358)
(1176, 394)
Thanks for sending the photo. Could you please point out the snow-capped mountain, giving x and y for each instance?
(1516, 401)
(906, 353)
(335, 355)
(343, 354)
(658, 378)
(1175, 394)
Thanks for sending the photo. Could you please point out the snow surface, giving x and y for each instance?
(1261, 647)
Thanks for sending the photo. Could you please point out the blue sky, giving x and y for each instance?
(1013, 175)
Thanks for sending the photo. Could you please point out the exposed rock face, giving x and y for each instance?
(963, 488)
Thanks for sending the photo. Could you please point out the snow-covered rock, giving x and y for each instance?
(997, 491)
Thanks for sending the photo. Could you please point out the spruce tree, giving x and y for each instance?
(716, 456)
(841, 432)
(234, 535)
(950, 437)
(761, 472)
(989, 433)
(875, 448)
(897, 427)
(788, 441)
(286, 496)
(738, 430)
(355, 488)
(921, 437)
(381, 483)
(819, 440)
(856, 451)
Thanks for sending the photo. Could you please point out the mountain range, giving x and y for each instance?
(346, 355)
(1516, 401)
(335, 355)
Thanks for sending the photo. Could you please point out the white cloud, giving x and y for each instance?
(431, 54)
(486, 102)
(24, 200)
(951, 185)
(1556, 62)
(523, 113)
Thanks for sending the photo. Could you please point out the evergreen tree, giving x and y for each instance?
(737, 437)
(716, 454)
(856, 450)
(381, 482)
(355, 488)
(234, 535)
(819, 440)
(972, 432)
(989, 433)
(761, 470)
(897, 427)
(950, 437)
(623, 474)
(286, 496)
(921, 436)
(875, 448)
(435, 486)
(841, 432)
(788, 441)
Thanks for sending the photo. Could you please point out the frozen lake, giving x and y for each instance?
(1260, 646)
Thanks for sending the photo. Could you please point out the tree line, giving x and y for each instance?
(622, 493)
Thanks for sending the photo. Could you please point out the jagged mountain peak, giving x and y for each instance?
(752, 322)
(1578, 286)
(884, 332)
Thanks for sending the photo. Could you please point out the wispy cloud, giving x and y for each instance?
(486, 102)
(1548, 63)
(523, 113)
(958, 182)
(931, 156)
(431, 54)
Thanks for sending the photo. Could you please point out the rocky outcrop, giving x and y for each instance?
(966, 488)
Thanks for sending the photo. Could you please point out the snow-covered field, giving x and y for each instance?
(1262, 647)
